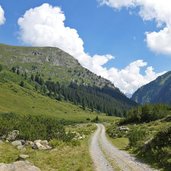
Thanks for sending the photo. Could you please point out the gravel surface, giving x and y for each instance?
(104, 155)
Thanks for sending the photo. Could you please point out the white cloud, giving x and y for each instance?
(2, 17)
(44, 26)
(158, 10)
(130, 78)
(117, 3)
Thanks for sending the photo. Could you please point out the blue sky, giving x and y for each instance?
(104, 29)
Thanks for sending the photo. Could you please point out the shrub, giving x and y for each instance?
(136, 137)
(33, 127)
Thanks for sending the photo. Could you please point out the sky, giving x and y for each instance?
(125, 41)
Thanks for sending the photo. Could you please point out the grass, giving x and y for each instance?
(153, 156)
(61, 66)
(65, 157)
(24, 101)
(120, 143)
(8, 153)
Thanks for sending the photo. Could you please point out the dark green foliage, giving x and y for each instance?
(14, 69)
(32, 77)
(114, 132)
(22, 84)
(1, 67)
(18, 71)
(25, 76)
(146, 113)
(77, 84)
(136, 137)
(33, 127)
(96, 119)
(104, 99)
(159, 149)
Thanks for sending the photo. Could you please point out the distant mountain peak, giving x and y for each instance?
(157, 91)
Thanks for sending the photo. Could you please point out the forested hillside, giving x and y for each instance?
(58, 75)
(157, 91)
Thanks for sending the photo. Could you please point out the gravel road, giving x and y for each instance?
(106, 157)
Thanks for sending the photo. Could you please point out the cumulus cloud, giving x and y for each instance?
(2, 17)
(44, 26)
(130, 78)
(157, 10)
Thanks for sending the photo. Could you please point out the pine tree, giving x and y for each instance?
(22, 84)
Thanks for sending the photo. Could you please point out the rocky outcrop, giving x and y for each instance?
(41, 145)
(12, 135)
(18, 166)
(37, 144)
(16, 143)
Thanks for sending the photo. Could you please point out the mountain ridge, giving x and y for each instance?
(157, 91)
(57, 74)
(44, 55)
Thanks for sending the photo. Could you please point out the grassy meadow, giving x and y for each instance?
(23, 102)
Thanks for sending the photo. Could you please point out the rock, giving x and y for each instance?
(3, 137)
(29, 143)
(41, 145)
(16, 143)
(21, 147)
(18, 166)
(23, 142)
(12, 135)
(123, 128)
(44, 142)
(78, 136)
(23, 157)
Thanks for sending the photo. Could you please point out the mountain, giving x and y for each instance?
(54, 73)
(52, 63)
(157, 91)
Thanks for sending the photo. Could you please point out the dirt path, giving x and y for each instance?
(106, 157)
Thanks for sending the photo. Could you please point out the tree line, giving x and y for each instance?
(146, 113)
(97, 99)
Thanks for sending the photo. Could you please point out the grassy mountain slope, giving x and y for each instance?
(62, 76)
(24, 101)
(51, 63)
(157, 91)
(34, 114)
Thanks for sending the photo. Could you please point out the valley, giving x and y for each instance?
(85, 85)
(61, 121)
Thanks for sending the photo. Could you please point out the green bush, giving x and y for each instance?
(136, 137)
(159, 149)
(33, 127)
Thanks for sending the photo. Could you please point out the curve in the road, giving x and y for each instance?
(106, 157)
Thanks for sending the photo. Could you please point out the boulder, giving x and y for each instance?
(12, 135)
(23, 157)
(16, 143)
(18, 166)
(123, 128)
(41, 145)
(44, 142)
(29, 143)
